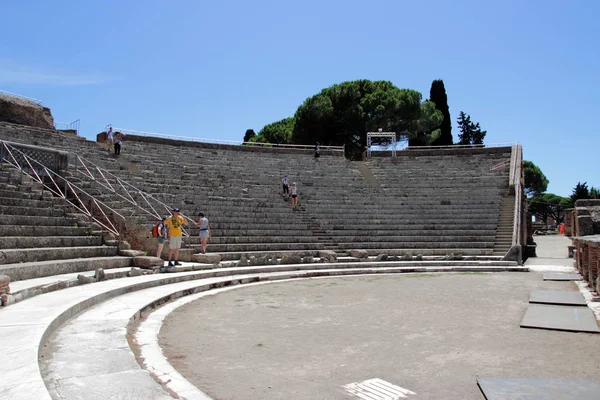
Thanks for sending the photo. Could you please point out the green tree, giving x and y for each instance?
(437, 94)
(470, 133)
(249, 135)
(276, 132)
(342, 114)
(424, 128)
(549, 205)
(594, 193)
(580, 191)
(535, 181)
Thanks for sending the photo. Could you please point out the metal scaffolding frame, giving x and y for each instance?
(380, 134)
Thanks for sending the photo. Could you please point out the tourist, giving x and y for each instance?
(204, 232)
(174, 223)
(118, 141)
(285, 183)
(294, 191)
(317, 151)
(163, 236)
(110, 139)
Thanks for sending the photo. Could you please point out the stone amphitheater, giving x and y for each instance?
(83, 302)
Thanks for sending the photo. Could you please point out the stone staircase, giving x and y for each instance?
(504, 232)
(40, 237)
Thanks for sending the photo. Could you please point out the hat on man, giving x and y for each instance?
(176, 210)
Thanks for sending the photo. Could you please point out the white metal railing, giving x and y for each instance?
(69, 125)
(71, 193)
(465, 146)
(515, 181)
(70, 190)
(217, 141)
(500, 165)
(36, 101)
(124, 190)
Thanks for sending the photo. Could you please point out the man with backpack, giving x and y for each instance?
(161, 233)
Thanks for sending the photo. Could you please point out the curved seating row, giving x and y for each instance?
(25, 327)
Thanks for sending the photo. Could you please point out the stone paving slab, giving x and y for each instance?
(560, 318)
(557, 297)
(538, 389)
(562, 277)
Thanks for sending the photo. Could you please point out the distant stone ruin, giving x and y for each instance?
(25, 112)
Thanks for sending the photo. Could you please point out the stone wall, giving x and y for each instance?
(586, 217)
(25, 112)
(587, 259)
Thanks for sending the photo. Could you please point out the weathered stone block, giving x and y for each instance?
(100, 275)
(381, 257)
(207, 258)
(134, 272)
(308, 259)
(82, 279)
(586, 225)
(147, 262)
(359, 253)
(131, 253)
(244, 262)
(328, 255)
(4, 284)
(7, 300)
(124, 245)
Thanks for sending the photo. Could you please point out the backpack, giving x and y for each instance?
(156, 230)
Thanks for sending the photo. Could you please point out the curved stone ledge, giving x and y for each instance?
(26, 326)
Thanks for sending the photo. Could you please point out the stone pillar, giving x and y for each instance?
(4, 284)
(578, 253)
(584, 260)
(592, 256)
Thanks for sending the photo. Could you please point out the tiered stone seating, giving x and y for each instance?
(432, 203)
(450, 199)
(39, 237)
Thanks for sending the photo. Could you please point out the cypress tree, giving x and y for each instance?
(437, 94)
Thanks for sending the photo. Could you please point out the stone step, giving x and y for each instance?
(11, 256)
(22, 202)
(31, 211)
(23, 242)
(30, 270)
(22, 220)
(416, 245)
(37, 230)
(36, 195)
(249, 247)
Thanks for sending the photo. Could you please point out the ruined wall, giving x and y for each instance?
(25, 112)
(587, 217)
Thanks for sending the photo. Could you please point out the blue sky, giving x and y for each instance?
(526, 70)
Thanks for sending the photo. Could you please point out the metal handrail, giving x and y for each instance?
(128, 188)
(500, 165)
(77, 191)
(216, 141)
(36, 101)
(54, 188)
(515, 181)
(460, 146)
(69, 125)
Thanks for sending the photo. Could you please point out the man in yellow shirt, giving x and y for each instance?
(174, 223)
